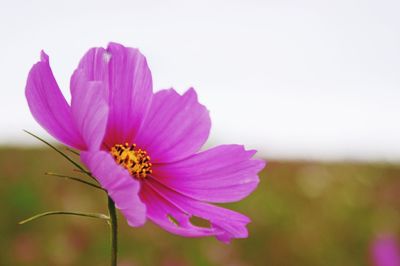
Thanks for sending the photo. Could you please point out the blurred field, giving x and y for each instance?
(304, 213)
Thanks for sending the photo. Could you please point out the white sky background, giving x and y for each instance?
(292, 79)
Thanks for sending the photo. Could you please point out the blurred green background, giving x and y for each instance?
(303, 213)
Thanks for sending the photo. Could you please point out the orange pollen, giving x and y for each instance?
(136, 161)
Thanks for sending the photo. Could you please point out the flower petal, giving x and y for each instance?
(176, 126)
(225, 224)
(169, 216)
(222, 174)
(49, 107)
(120, 185)
(128, 85)
(89, 108)
(385, 251)
(95, 65)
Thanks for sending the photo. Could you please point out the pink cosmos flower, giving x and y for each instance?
(143, 147)
(385, 251)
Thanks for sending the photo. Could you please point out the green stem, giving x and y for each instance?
(112, 220)
(73, 151)
(74, 179)
(91, 215)
(60, 152)
(81, 169)
(114, 231)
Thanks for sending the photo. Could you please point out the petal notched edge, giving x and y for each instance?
(225, 224)
(169, 216)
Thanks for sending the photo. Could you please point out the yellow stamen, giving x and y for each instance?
(136, 161)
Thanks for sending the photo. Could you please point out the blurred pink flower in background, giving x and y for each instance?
(385, 251)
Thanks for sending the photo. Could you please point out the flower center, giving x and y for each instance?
(136, 161)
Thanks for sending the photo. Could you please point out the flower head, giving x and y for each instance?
(143, 147)
(385, 251)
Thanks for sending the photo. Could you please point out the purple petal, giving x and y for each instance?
(161, 211)
(49, 107)
(89, 108)
(95, 65)
(128, 88)
(176, 126)
(385, 251)
(222, 174)
(165, 203)
(120, 185)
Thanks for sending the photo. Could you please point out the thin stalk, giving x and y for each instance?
(82, 172)
(91, 215)
(57, 150)
(74, 179)
(111, 219)
(73, 151)
(62, 154)
(114, 231)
